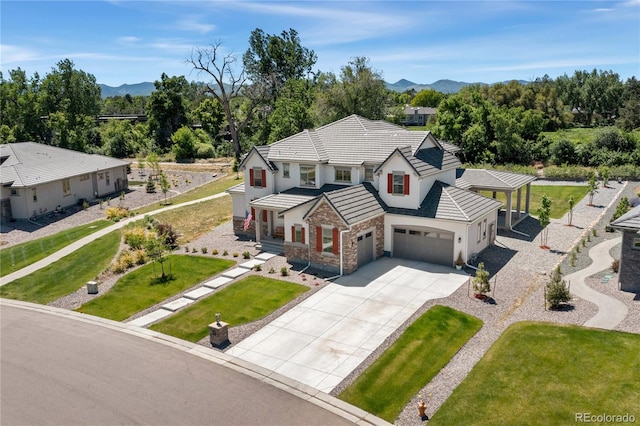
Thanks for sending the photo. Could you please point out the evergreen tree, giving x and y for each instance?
(557, 290)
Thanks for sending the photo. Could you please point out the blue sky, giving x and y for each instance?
(123, 41)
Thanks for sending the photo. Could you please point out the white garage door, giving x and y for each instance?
(433, 246)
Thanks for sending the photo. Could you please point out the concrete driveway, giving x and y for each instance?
(324, 338)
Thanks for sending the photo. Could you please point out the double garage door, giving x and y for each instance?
(433, 246)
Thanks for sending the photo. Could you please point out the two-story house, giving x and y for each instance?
(354, 190)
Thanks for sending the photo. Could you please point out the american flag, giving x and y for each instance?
(247, 220)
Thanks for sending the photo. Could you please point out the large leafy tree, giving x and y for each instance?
(292, 113)
(630, 109)
(19, 107)
(71, 99)
(427, 98)
(360, 90)
(166, 109)
(210, 115)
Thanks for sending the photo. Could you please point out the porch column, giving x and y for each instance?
(269, 228)
(518, 203)
(528, 198)
(258, 223)
(507, 216)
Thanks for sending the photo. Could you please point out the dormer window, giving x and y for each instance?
(257, 177)
(398, 183)
(368, 174)
(343, 174)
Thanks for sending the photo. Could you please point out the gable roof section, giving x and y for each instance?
(353, 204)
(303, 146)
(491, 179)
(426, 161)
(451, 203)
(261, 151)
(291, 198)
(29, 164)
(630, 221)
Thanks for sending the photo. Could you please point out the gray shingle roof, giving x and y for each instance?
(354, 203)
(429, 160)
(237, 189)
(491, 179)
(409, 110)
(263, 152)
(450, 203)
(281, 201)
(628, 221)
(353, 140)
(30, 163)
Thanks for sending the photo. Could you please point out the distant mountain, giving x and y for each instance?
(442, 86)
(139, 89)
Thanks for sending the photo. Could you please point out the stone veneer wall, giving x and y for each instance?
(296, 252)
(324, 215)
(238, 228)
(629, 276)
(5, 210)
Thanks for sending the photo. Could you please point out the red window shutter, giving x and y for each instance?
(302, 234)
(253, 213)
(264, 215)
(293, 234)
(390, 183)
(336, 243)
(319, 238)
(251, 178)
(406, 184)
(264, 178)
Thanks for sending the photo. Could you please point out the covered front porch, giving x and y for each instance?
(267, 213)
(494, 181)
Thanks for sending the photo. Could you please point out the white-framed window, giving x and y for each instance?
(479, 231)
(107, 176)
(327, 240)
(368, 173)
(285, 170)
(307, 175)
(257, 177)
(15, 192)
(84, 177)
(398, 183)
(343, 174)
(484, 229)
(100, 176)
(34, 193)
(66, 187)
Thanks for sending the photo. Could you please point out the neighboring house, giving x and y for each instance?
(37, 179)
(418, 116)
(629, 272)
(354, 190)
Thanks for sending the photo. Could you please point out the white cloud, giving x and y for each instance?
(128, 39)
(15, 54)
(190, 24)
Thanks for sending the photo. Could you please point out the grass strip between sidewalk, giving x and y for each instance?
(143, 288)
(426, 346)
(24, 254)
(247, 300)
(67, 274)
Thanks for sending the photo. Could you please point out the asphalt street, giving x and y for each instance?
(57, 370)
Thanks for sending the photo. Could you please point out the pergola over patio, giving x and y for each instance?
(496, 181)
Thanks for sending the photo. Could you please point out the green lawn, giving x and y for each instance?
(558, 194)
(543, 374)
(24, 254)
(66, 275)
(205, 190)
(427, 345)
(142, 288)
(247, 300)
(576, 135)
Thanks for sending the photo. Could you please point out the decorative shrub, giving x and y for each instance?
(557, 290)
(203, 250)
(246, 255)
(284, 271)
(615, 265)
(272, 271)
(139, 256)
(193, 250)
(117, 213)
(225, 253)
(235, 254)
(481, 280)
(135, 237)
(214, 251)
(257, 268)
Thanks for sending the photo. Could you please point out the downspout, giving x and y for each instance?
(341, 263)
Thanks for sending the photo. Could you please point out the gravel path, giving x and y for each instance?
(516, 261)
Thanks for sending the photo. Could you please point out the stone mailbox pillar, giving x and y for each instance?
(92, 287)
(219, 333)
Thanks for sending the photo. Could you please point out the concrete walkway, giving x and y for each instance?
(610, 311)
(323, 339)
(65, 251)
